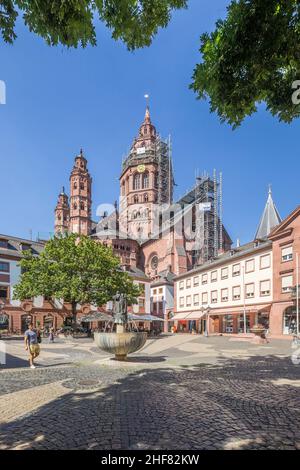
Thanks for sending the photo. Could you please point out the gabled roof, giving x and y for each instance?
(285, 223)
(270, 219)
(165, 277)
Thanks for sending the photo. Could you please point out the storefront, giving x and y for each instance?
(290, 321)
(233, 322)
(189, 322)
(4, 321)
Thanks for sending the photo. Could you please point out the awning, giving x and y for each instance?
(180, 316)
(196, 315)
(132, 317)
(239, 310)
(95, 316)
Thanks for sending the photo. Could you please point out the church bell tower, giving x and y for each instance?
(80, 197)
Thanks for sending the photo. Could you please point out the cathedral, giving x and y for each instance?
(148, 230)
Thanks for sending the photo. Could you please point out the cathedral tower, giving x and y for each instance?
(80, 197)
(145, 183)
(62, 213)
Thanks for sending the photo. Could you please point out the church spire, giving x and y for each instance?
(270, 218)
(147, 119)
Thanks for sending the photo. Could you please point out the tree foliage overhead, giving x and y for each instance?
(72, 22)
(253, 56)
(76, 269)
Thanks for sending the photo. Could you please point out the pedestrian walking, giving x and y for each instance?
(51, 335)
(32, 344)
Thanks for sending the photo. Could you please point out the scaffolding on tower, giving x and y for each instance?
(208, 218)
(165, 183)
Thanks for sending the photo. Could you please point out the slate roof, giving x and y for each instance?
(17, 245)
(269, 220)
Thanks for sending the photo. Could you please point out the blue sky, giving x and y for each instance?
(60, 100)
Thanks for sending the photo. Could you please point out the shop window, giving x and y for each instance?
(290, 321)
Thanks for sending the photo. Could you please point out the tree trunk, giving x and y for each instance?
(74, 311)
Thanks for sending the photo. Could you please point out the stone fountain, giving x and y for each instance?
(122, 342)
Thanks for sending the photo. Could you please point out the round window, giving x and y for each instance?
(154, 262)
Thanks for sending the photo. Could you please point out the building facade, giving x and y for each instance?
(15, 315)
(286, 251)
(236, 286)
(180, 251)
(257, 282)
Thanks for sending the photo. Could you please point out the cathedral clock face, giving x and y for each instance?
(141, 168)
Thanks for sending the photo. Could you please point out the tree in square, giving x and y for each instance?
(76, 269)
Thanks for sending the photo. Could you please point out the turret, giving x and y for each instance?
(62, 213)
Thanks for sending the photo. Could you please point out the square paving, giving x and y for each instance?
(179, 392)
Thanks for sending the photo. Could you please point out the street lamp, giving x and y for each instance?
(297, 293)
(207, 317)
(206, 311)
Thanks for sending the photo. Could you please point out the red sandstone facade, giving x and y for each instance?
(149, 253)
(286, 247)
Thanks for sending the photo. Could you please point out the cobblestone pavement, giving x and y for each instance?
(224, 402)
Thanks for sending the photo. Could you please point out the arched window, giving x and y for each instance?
(75, 207)
(82, 206)
(156, 180)
(146, 180)
(136, 181)
(146, 198)
(81, 185)
(75, 185)
(135, 199)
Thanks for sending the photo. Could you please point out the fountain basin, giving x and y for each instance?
(120, 344)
